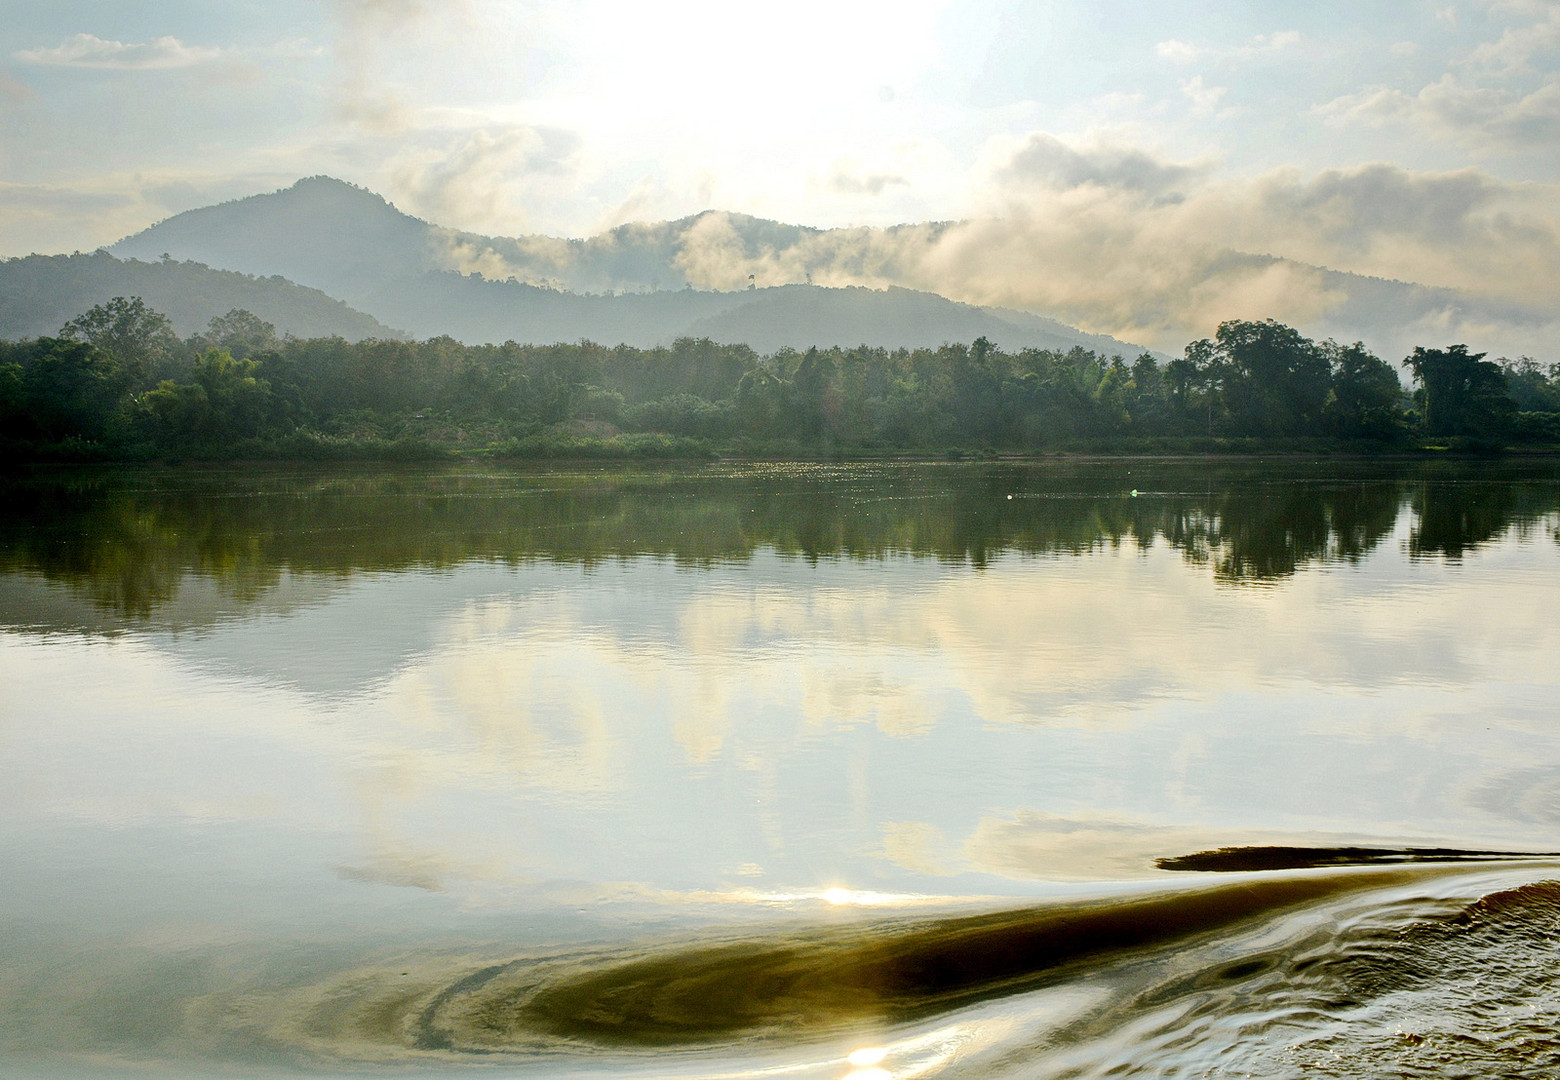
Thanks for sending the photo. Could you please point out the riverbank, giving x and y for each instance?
(659, 446)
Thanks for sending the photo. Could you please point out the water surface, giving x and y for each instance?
(870, 771)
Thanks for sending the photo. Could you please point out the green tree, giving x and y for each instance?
(72, 389)
(142, 340)
(1194, 383)
(974, 402)
(810, 386)
(762, 401)
(1461, 393)
(1273, 380)
(225, 401)
(1111, 397)
(1533, 387)
(1147, 401)
(242, 333)
(1367, 398)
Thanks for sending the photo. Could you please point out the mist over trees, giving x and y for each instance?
(117, 382)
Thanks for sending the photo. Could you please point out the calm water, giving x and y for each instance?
(802, 771)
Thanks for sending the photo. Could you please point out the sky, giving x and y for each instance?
(1116, 147)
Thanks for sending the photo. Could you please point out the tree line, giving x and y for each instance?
(116, 382)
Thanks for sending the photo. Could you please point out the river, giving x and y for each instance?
(849, 771)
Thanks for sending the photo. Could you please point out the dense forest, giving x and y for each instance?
(117, 383)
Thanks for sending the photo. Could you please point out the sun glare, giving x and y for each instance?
(868, 1055)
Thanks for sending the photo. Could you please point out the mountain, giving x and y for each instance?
(40, 293)
(352, 244)
(894, 317)
(348, 241)
(796, 316)
(650, 282)
(323, 233)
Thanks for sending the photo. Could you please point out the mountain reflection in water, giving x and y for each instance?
(1050, 769)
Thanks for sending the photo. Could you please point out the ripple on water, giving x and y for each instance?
(1411, 987)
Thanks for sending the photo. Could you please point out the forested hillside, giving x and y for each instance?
(39, 293)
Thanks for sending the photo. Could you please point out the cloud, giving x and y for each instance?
(367, 30)
(480, 179)
(87, 51)
(1119, 240)
(1205, 98)
(1282, 39)
(1045, 160)
(1119, 258)
(1185, 52)
(1350, 209)
(1451, 110)
(297, 48)
(850, 183)
(1517, 46)
(178, 195)
(1180, 52)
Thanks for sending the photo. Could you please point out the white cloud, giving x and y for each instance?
(88, 51)
(1451, 110)
(1349, 208)
(480, 180)
(1205, 98)
(1185, 52)
(47, 218)
(1180, 52)
(1274, 42)
(1517, 46)
(1119, 240)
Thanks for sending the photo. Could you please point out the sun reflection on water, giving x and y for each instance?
(907, 1058)
(869, 1055)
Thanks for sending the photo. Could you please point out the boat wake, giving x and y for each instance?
(1406, 969)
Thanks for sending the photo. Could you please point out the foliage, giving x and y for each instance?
(1366, 399)
(1531, 385)
(117, 383)
(1461, 393)
(126, 329)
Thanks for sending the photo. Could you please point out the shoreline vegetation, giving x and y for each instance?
(117, 385)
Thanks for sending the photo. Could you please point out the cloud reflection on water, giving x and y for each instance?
(848, 700)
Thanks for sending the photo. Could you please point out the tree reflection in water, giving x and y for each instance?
(125, 539)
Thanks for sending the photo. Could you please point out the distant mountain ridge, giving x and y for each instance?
(351, 243)
(40, 293)
(647, 283)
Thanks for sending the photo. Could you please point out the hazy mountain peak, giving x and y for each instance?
(321, 232)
